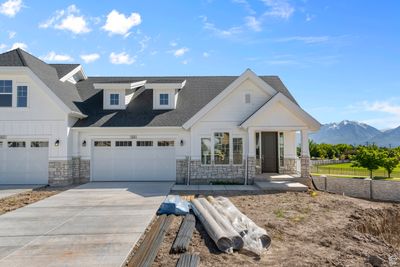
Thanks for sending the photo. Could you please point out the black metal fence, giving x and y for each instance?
(321, 169)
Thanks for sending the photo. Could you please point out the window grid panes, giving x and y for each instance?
(22, 96)
(163, 99)
(237, 144)
(144, 143)
(281, 149)
(39, 144)
(5, 93)
(165, 143)
(221, 148)
(123, 143)
(16, 144)
(102, 143)
(114, 99)
(206, 151)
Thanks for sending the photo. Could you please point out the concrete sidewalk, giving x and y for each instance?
(10, 190)
(96, 224)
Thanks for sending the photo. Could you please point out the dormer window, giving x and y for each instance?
(164, 100)
(114, 99)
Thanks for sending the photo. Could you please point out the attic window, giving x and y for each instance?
(164, 100)
(114, 99)
(247, 98)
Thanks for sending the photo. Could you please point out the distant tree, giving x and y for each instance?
(389, 160)
(367, 157)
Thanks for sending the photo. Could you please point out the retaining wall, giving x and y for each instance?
(361, 188)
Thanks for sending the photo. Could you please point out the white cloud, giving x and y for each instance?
(10, 8)
(53, 56)
(305, 39)
(11, 34)
(279, 9)
(206, 54)
(173, 43)
(121, 58)
(181, 51)
(118, 23)
(246, 6)
(69, 19)
(144, 43)
(185, 62)
(2, 47)
(89, 58)
(253, 23)
(23, 46)
(220, 32)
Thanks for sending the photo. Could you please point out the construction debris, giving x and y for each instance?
(214, 230)
(148, 250)
(182, 240)
(255, 238)
(173, 204)
(188, 260)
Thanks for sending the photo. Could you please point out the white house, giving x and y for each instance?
(59, 126)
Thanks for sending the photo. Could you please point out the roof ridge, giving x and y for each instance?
(21, 57)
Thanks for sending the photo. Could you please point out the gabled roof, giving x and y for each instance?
(48, 74)
(64, 69)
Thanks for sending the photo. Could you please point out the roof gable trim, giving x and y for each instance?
(69, 76)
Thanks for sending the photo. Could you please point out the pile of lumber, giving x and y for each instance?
(188, 260)
(184, 235)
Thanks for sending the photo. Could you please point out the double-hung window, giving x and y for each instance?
(164, 100)
(221, 148)
(22, 96)
(5, 93)
(114, 99)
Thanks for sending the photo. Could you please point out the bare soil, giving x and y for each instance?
(306, 230)
(20, 200)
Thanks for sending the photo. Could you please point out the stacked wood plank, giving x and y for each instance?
(148, 249)
(188, 260)
(182, 240)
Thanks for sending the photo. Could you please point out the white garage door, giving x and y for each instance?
(24, 162)
(144, 160)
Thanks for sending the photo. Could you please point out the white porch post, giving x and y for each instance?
(305, 154)
(251, 156)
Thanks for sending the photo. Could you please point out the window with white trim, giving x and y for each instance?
(237, 146)
(114, 99)
(16, 144)
(164, 99)
(39, 144)
(165, 143)
(22, 96)
(102, 143)
(144, 143)
(206, 151)
(5, 93)
(221, 148)
(123, 143)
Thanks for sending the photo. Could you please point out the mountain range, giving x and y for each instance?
(356, 133)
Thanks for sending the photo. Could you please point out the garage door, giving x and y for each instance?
(143, 160)
(24, 162)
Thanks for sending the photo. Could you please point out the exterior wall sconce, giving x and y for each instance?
(57, 143)
(182, 142)
(84, 143)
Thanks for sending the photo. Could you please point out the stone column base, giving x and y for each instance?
(305, 167)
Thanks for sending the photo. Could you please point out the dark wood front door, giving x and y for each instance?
(269, 152)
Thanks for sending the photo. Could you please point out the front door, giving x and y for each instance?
(269, 152)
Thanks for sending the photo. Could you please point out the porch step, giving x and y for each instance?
(281, 186)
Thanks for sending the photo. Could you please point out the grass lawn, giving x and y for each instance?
(345, 170)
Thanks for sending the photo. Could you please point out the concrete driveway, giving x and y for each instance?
(10, 190)
(96, 224)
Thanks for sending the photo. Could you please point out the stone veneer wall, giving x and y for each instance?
(205, 174)
(289, 166)
(305, 167)
(252, 169)
(361, 188)
(181, 171)
(60, 172)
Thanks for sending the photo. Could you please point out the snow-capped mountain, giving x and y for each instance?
(389, 138)
(345, 132)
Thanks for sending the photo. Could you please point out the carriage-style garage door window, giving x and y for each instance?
(5, 93)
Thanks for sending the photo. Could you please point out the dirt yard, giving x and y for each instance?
(18, 201)
(306, 230)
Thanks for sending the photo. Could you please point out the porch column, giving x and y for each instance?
(251, 155)
(305, 154)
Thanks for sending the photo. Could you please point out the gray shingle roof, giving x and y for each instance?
(64, 69)
(197, 92)
(46, 73)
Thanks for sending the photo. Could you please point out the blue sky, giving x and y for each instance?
(340, 59)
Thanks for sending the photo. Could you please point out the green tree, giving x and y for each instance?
(367, 157)
(389, 160)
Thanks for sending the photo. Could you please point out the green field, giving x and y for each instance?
(345, 170)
